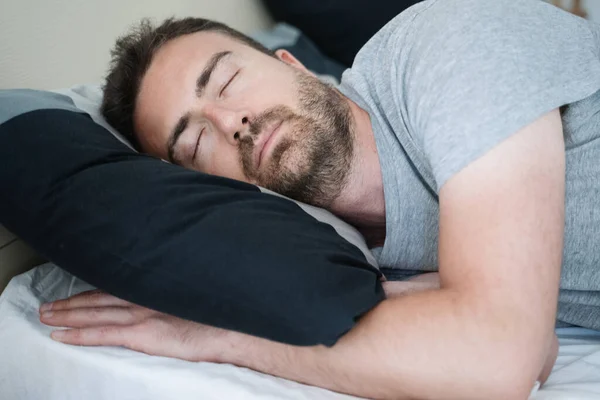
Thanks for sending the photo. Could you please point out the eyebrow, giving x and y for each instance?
(208, 70)
(176, 134)
(201, 84)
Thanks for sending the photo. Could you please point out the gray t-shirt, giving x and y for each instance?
(446, 81)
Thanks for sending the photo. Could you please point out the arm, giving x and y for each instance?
(485, 334)
(488, 331)
(96, 313)
(431, 281)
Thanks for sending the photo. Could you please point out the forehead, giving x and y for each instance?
(167, 88)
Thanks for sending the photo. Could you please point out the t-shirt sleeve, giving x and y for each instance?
(480, 70)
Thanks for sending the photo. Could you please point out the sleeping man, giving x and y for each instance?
(465, 139)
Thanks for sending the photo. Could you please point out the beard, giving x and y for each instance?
(312, 161)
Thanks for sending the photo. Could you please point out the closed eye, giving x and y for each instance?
(197, 144)
(228, 82)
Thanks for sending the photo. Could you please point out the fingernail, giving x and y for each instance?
(46, 307)
(57, 334)
(47, 314)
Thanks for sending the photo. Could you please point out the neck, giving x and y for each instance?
(362, 202)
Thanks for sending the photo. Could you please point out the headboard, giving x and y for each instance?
(49, 44)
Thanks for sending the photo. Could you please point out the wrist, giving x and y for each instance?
(237, 347)
(304, 364)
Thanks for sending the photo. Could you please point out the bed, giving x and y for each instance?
(32, 366)
(35, 367)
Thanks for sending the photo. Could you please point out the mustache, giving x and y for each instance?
(278, 113)
(246, 143)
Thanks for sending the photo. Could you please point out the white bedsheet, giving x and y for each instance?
(32, 366)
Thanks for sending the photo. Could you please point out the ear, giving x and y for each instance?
(289, 59)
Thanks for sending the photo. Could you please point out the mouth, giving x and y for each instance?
(265, 143)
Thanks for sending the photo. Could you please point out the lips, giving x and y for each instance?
(265, 142)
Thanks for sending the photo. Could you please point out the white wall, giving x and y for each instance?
(50, 44)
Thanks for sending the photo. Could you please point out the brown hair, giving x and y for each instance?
(131, 58)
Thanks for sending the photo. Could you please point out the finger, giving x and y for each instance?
(94, 316)
(91, 298)
(131, 337)
(401, 288)
(432, 277)
(110, 335)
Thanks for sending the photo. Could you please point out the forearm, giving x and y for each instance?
(550, 360)
(424, 345)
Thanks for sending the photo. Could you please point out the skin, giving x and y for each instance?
(500, 249)
(261, 84)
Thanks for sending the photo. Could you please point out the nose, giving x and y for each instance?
(233, 124)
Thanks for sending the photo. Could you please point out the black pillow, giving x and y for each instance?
(204, 248)
(338, 27)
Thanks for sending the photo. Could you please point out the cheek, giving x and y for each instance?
(224, 162)
(229, 167)
(263, 92)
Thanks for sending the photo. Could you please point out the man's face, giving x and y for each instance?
(216, 105)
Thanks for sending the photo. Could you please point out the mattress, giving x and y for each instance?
(32, 366)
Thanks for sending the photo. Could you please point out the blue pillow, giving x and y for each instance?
(201, 247)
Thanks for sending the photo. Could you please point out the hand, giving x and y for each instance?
(428, 281)
(99, 319)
